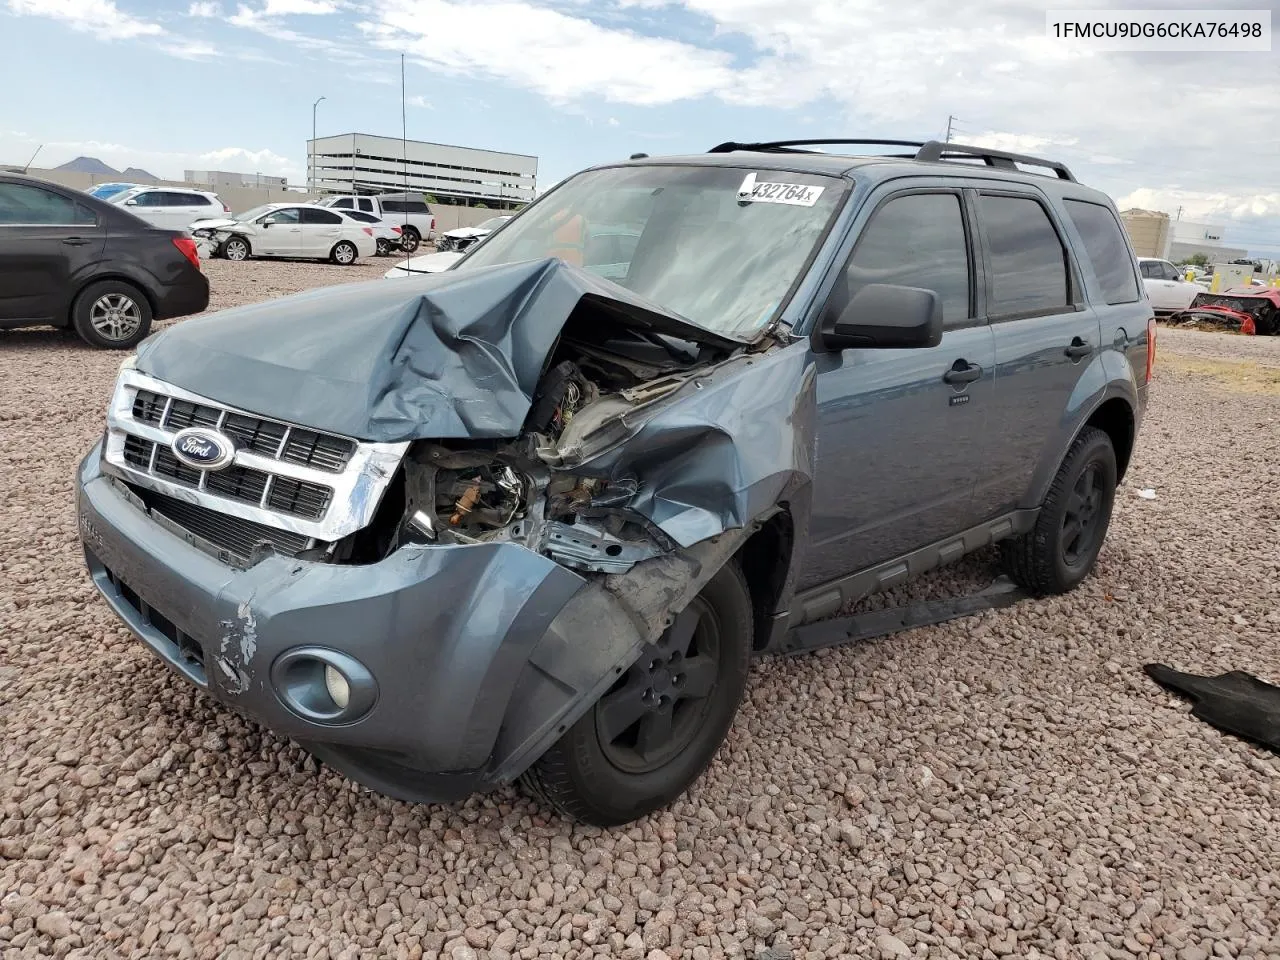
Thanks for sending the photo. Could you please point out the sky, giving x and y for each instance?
(213, 84)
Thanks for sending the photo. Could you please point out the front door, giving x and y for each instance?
(46, 239)
(279, 233)
(902, 434)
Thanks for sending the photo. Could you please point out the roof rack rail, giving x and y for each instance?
(935, 151)
(785, 146)
(930, 151)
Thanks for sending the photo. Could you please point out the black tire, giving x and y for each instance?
(344, 253)
(237, 249)
(1060, 551)
(606, 780)
(410, 239)
(111, 314)
(384, 247)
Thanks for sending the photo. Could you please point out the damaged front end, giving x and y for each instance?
(548, 470)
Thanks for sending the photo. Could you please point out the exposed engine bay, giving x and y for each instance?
(524, 490)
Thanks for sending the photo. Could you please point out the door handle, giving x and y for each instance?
(75, 241)
(1078, 349)
(962, 371)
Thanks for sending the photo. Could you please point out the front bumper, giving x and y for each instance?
(445, 631)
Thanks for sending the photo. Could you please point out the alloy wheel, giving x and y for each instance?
(1080, 521)
(115, 316)
(657, 707)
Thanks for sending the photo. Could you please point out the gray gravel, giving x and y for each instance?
(1010, 785)
(1204, 344)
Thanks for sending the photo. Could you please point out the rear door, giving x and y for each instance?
(46, 240)
(184, 208)
(321, 229)
(902, 434)
(1045, 336)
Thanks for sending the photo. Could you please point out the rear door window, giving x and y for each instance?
(1028, 263)
(366, 206)
(316, 215)
(917, 240)
(345, 203)
(1107, 250)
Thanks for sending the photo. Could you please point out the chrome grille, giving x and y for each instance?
(316, 485)
(270, 438)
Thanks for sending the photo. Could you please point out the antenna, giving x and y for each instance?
(33, 157)
(404, 153)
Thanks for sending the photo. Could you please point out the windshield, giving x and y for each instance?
(104, 190)
(253, 212)
(681, 237)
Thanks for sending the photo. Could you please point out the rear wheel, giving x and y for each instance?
(384, 247)
(1061, 549)
(111, 314)
(237, 249)
(654, 732)
(344, 253)
(410, 239)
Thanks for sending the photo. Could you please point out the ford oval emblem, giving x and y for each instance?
(203, 448)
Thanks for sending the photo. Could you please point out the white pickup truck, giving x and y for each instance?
(408, 211)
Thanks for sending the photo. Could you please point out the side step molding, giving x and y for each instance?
(1002, 592)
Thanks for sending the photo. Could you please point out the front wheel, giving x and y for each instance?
(344, 253)
(237, 249)
(1061, 549)
(653, 732)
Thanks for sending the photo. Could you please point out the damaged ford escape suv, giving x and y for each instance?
(529, 518)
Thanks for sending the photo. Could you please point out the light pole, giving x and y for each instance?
(311, 153)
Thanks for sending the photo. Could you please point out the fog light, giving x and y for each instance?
(337, 686)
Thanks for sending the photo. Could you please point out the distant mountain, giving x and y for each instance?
(138, 175)
(88, 165)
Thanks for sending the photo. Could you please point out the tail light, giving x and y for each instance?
(1151, 348)
(188, 248)
(225, 208)
(397, 231)
(368, 230)
(433, 223)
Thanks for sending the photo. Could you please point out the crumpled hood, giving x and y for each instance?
(450, 355)
(464, 233)
(214, 223)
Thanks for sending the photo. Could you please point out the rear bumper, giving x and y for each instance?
(183, 298)
(445, 633)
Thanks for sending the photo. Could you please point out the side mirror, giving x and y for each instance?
(886, 315)
(131, 203)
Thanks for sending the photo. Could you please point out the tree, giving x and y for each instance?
(1197, 259)
(430, 198)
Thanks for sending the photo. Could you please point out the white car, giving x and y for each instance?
(1166, 288)
(172, 208)
(464, 237)
(431, 263)
(386, 234)
(293, 230)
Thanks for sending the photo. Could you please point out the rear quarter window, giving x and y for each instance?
(1107, 250)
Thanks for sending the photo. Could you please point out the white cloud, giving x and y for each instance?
(204, 8)
(260, 22)
(562, 57)
(166, 164)
(417, 100)
(283, 8)
(100, 17)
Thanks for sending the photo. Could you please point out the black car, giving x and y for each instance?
(69, 259)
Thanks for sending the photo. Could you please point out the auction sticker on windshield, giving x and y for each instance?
(764, 191)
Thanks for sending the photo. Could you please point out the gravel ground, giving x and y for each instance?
(1203, 344)
(1011, 784)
